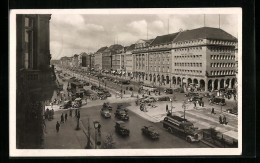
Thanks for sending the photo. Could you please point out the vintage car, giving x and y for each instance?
(168, 91)
(121, 114)
(195, 99)
(190, 94)
(106, 105)
(101, 96)
(149, 100)
(218, 101)
(106, 92)
(77, 103)
(93, 87)
(66, 104)
(105, 113)
(121, 129)
(166, 98)
(150, 132)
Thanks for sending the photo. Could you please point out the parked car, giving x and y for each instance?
(218, 101)
(121, 114)
(93, 87)
(121, 129)
(232, 111)
(150, 99)
(106, 105)
(150, 132)
(190, 94)
(66, 104)
(101, 95)
(168, 91)
(105, 113)
(107, 93)
(166, 98)
(195, 98)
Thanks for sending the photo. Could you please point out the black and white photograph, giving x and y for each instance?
(126, 82)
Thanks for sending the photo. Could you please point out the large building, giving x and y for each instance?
(205, 57)
(98, 58)
(35, 77)
(107, 57)
(160, 60)
(83, 60)
(128, 61)
(140, 59)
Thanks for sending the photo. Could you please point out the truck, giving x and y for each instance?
(180, 126)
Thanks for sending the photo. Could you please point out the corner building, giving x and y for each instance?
(205, 57)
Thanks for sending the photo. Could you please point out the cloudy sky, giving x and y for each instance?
(73, 34)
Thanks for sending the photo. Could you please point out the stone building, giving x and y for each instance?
(98, 58)
(205, 57)
(107, 63)
(128, 61)
(35, 77)
(160, 60)
(140, 59)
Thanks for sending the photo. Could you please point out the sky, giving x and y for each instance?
(75, 33)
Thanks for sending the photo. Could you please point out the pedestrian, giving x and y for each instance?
(224, 120)
(66, 116)
(199, 103)
(70, 112)
(99, 126)
(220, 119)
(166, 108)
(212, 111)
(202, 103)
(62, 118)
(194, 104)
(159, 93)
(52, 113)
(124, 91)
(57, 126)
(76, 112)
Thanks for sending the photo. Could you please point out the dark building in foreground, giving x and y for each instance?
(35, 78)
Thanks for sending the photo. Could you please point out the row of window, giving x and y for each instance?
(221, 42)
(188, 71)
(188, 49)
(222, 57)
(188, 57)
(222, 65)
(189, 64)
(225, 72)
(190, 42)
(218, 49)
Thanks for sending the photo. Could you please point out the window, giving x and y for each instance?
(28, 40)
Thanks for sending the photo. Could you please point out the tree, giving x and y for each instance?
(109, 143)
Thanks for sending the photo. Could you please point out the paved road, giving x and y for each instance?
(136, 139)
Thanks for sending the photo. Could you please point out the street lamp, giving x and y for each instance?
(96, 126)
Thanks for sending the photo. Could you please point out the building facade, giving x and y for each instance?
(35, 78)
(109, 55)
(140, 59)
(204, 57)
(98, 58)
(128, 60)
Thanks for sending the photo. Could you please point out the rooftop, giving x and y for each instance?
(102, 49)
(164, 39)
(205, 33)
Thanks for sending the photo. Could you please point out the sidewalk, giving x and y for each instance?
(201, 116)
(54, 140)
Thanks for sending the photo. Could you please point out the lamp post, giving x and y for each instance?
(96, 125)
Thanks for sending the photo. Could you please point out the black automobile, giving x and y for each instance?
(190, 94)
(195, 99)
(150, 132)
(168, 91)
(121, 129)
(101, 96)
(166, 98)
(106, 105)
(218, 101)
(107, 93)
(105, 113)
(93, 87)
(121, 114)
